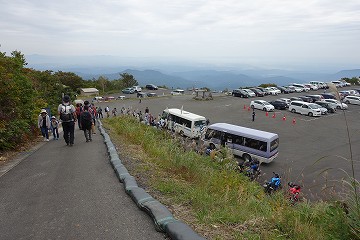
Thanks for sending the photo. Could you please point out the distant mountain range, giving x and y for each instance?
(181, 75)
(220, 80)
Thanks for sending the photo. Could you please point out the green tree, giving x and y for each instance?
(73, 81)
(128, 80)
(17, 108)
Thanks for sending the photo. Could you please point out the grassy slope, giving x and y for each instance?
(218, 202)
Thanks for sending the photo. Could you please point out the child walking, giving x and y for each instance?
(86, 123)
(55, 127)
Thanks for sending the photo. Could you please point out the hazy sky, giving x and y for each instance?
(247, 31)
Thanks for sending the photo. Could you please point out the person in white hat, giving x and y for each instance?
(44, 124)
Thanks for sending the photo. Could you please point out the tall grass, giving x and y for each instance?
(222, 203)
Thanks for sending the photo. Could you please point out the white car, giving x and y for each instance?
(273, 90)
(251, 93)
(338, 104)
(137, 89)
(302, 86)
(312, 86)
(352, 100)
(262, 105)
(177, 92)
(295, 89)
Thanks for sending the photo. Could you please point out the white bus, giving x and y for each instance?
(244, 142)
(185, 123)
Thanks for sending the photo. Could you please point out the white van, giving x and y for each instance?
(137, 89)
(305, 108)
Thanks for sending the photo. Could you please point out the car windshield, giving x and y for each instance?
(314, 106)
(266, 103)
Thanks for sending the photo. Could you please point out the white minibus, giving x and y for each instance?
(185, 123)
(244, 142)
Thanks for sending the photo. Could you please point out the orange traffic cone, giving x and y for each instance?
(244, 106)
(294, 121)
(274, 115)
(284, 118)
(267, 114)
(248, 108)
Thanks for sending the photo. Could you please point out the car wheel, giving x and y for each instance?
(246, 157)
(264, 109)
(293, 110)
(181, 133)
(310, 114)
(252, 106)
(347, 102)
(338, 107)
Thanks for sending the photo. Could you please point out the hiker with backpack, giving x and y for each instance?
(68, 118)
(86, 123)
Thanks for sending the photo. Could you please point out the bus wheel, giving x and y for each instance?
(246, 157)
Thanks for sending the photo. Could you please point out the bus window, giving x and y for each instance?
(274, 145)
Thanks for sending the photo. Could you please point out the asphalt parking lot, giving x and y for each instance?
(313, 151)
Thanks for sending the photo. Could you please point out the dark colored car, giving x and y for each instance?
(279, 104)
(240, 93)
(151, 87)
(329, 106)
(328, 95)
(258, 92)
(295, 99)
(284, 90)
(263, 90)
(306, 99)
(315, 97)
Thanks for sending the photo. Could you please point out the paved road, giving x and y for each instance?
(61, 192)
(301, 145)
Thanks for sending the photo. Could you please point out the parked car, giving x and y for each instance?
(150, 94)
(306, 99)
(151, 87)
(311, 86)
(251, 93)
(121, 97)
(331, 107)
(304, 108)
(344, 93)
(240, 93)
(323, 110)
(262, 105)
(301, 86)
(279, 104)
(315, 97)
(258, 92)
(286, 100)
(137, 88)
(284, 90)
(295, 89)
(328, 95)
(273, 90)
(338, 104)
(352, 100)
(295, 99)
(177, 92)
(128, 91)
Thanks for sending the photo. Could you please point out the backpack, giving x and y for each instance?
(66, 114)
(86, 119)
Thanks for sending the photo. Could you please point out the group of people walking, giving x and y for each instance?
(85, 115)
